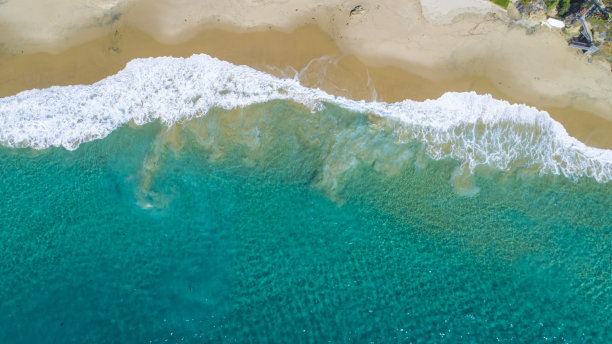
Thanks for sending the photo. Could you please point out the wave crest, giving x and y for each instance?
(476, 129)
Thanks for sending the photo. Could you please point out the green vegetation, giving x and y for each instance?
(564, 7)
(503, 3)
(551, 4)
(557, 7)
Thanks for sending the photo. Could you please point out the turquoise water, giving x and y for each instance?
(275, 224)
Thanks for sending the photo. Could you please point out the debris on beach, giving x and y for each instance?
(357, 11)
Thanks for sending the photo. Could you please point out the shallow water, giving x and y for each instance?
(271, 223)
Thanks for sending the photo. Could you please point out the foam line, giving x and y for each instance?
(475, 129)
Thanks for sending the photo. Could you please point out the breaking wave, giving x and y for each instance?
(475, 129)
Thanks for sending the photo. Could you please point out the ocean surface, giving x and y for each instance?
(191, 200)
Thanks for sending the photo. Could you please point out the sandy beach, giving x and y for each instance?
(386, 50)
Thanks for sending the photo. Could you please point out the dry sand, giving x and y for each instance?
(392, 50)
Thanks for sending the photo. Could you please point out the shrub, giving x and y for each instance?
(564, 7)
(503, 3)
(551, 4)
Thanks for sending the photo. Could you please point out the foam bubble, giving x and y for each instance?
(475, 129)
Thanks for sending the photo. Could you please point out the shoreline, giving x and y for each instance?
(333, 60)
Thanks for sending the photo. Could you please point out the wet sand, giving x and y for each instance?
(320, 63)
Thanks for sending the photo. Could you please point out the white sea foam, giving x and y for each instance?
(475, 129)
